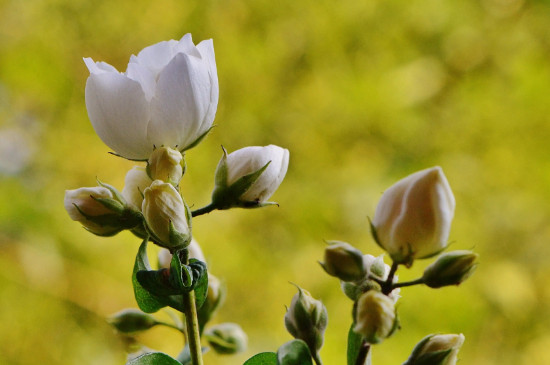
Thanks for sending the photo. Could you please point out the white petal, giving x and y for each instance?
(157, 56)
(119, 113)
(206, 49)
(186, 45)
(181, 102)
(135, 183)
(141, 74)
(98, 67)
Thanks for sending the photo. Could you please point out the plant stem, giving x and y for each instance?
(317, 358)
(363, 353)
(207, 209)
(192, 327)
(408, 283)
(388, 285)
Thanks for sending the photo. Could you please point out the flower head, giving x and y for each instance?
(167, 97)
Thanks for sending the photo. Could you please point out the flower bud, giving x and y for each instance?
(249, 176)
(226, 338)
(451, 268)
(135, 183)
(343, 261)
(168, 218)
(132, 320)
(166, 164)
(413, 218)
(101, 210)
(436, 350)
(375, 318)
(306, 319)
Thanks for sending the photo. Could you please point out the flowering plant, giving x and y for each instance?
(163, 105)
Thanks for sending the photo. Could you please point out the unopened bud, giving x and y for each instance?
(436, 350)
(375, 318)
(132, 320)
(306, 319)
(451, 268)
(248, 177)
(101, 210)
(168, 218)
(226, 338)
(166, 164)
(413, 218)
(343, 261)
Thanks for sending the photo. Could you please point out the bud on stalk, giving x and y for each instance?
(306, 319)
(375, 318)
(344, 261)
(413, 218)
(436, 350)
(451, 268)
(167, 216)
(166, 164)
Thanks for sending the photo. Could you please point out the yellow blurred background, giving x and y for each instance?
(362, 93)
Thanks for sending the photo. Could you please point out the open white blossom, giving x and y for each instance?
(167, 97)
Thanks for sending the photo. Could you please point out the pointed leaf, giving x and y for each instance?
(264, 358)
(147, 302)
(354, 345)
(244, 183)
(154, 358)
(294, 352)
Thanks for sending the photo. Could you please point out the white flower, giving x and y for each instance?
(413, 218)
(166, 215)
(247, 161)
(135, 183)
(167, 96)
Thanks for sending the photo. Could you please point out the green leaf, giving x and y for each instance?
(157, 282)
(263, 358)
(147, 302)
(354, 345)
(200, 274)
(294, 352)
(154, 358)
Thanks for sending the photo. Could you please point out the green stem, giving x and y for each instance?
(317, 358)
(363, 353)
(408, 283)
(207, 209)
(192, 327)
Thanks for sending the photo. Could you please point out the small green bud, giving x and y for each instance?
(226, 338)
(166, 164)
(167, 216)
(294, 352)
(375, 318)
(344, 261)
(436, 350)
(306, 319)
(451, 268)
(132, 320)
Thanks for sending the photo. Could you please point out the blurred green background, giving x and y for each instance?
(362, 93)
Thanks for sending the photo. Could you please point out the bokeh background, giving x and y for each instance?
(362, 93)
